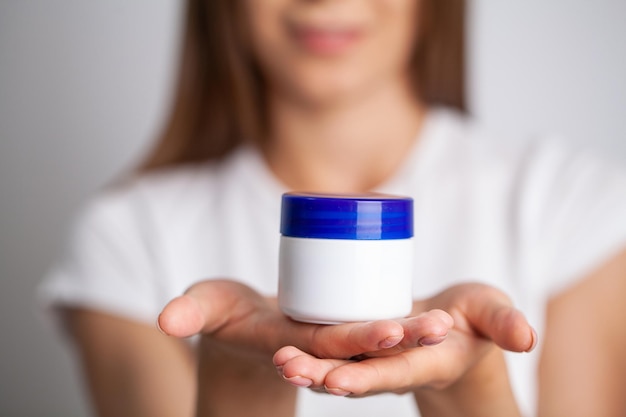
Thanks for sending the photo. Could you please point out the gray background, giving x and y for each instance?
(84, 86)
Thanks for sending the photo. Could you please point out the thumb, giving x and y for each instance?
(204, 308)
(492, 314)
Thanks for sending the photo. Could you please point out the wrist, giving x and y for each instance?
(484, 390)
(232, 381)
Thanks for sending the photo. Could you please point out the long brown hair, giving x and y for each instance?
(219, 94)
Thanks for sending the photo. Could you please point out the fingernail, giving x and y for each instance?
(158, 326)
(299, 381)
(535, 338)
(430, 340)
(391, 341)
(279, 369)
(337, 391)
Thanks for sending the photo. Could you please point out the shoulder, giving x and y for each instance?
(463, 143)
(551, 212)
(465, 140)
(565, 203)
(171, 194)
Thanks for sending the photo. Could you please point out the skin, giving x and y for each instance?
(394, 356)
(583, 367)
(334, 111)
(324, 133)
(131, 369)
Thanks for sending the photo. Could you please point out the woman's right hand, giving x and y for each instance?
(241, 330)
(391, 355)
(232, 313)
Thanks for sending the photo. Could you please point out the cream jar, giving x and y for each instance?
(345, 258)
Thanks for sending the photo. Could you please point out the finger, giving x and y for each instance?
(376, 338)
(508, 328)
(431, 367)
(216, 307)
(181, 317)
(491, 313)
(388, 374)
(204, 308)
(426, 329)
(347, 340)
(302, 369)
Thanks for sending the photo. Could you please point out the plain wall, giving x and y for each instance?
(84, 86)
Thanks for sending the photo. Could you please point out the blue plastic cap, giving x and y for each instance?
(370, 216)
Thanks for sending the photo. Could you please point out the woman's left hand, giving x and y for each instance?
(360, 359)
(483, 318)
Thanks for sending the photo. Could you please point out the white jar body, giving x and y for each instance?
(339, 280)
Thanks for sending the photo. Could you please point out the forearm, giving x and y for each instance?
(237, 383)
(484, 391)
(130, 368)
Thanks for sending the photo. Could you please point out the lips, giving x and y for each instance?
(326, 40)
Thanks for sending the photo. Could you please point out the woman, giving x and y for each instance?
(343, 97)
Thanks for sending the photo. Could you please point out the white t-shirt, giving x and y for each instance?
(527, 217)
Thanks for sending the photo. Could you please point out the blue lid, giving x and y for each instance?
(369, 216)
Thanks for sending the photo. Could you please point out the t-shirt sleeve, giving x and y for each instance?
(579, 200)
(107, 265)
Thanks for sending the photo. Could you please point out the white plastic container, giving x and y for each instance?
(345, 258)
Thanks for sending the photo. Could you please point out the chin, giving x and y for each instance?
(327, 87)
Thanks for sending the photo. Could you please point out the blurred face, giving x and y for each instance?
(317, 51)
